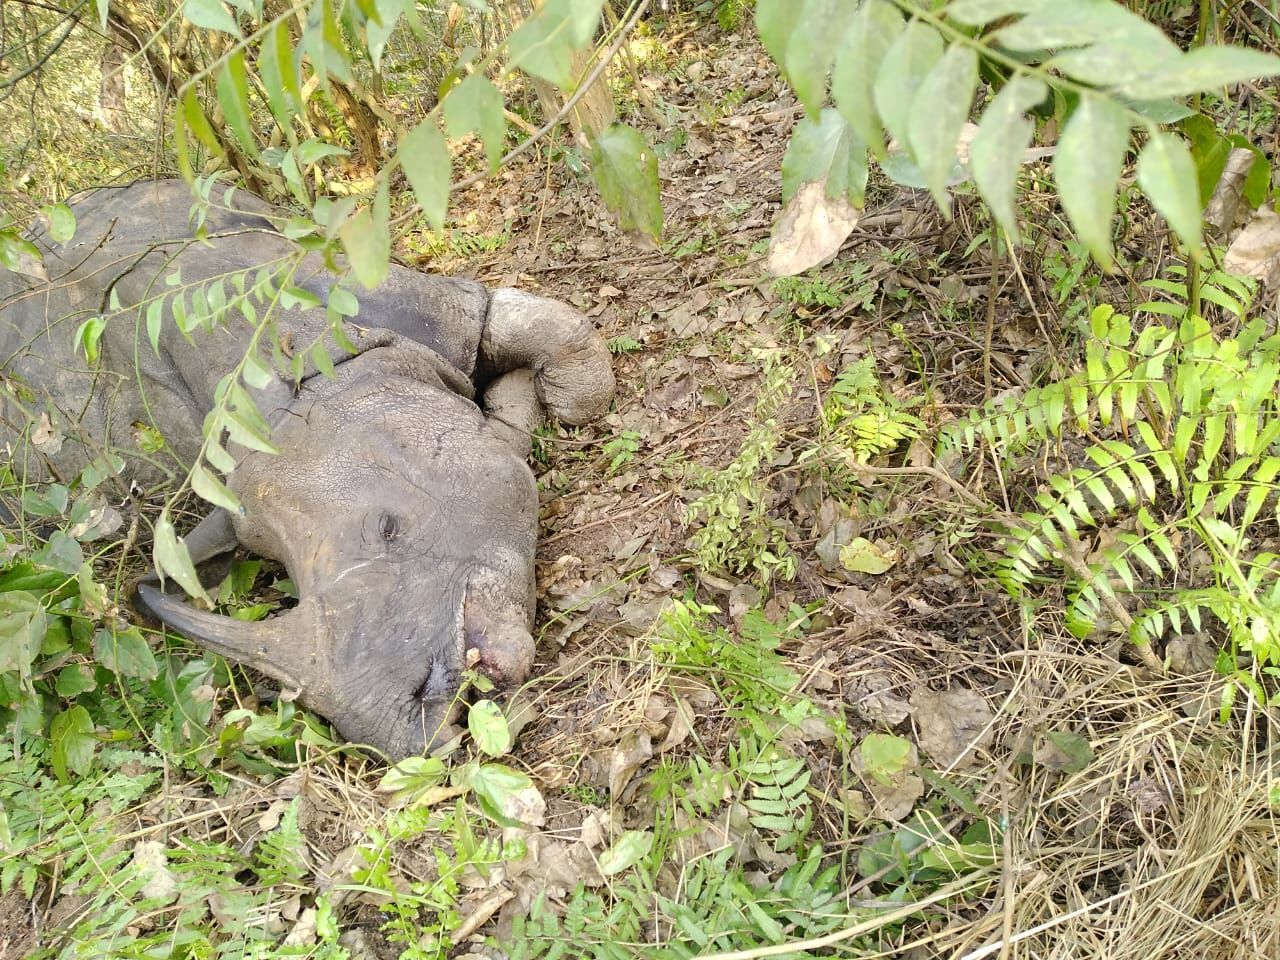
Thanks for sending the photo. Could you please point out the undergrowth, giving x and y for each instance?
(1164, 517)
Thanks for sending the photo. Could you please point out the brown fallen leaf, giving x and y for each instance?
(152, 862)
(812, 228)
(1220, 212)
(950, 724)
(628, 756)
(1256, 251)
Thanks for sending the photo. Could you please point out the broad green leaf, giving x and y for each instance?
(233, 95)
(885, 755)
(544, 44)
(279, 70)
(343, 302)
(861, 555)
(775, 21)
(125, 652)
(1167, 175)
(379, 31)
(625, 169)
(858, 58)
(367, 244)
(628, 850)
(818, 27)
(1109, 63)
(1087, 170)
(825, 149)
(938, 113)
(197, 122)
(995, 153)
(489, 728)
(171, 558)
(257, 373)
(978, 13)
(75, 679)
(62, 222)
(73, 743)
(411, 774)
(1202, 69)
(210, 488)
(20, 255)
(22, 628)
(476, 105)
(424, 157)
(211, 15)
(1076, 24)
(89, 336)
(913, 54)
(495, 785)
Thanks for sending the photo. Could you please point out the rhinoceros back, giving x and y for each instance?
(129, 240)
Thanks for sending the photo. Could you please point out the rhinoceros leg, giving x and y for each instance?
(572, 374)
(512, 406)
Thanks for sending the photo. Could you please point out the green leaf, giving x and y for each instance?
(233, 95)
(75, 679)
(1075, 24)
(489, 728)
(211, 15)
(628, 850)
(625, 169)
(125, 652)
(171, 558)
(476, 105)
(1167, 175)
(913, 54)
(494, 783)
(939, 111)
(378, 33)
(279, 70)
(1087, 170)
(544, 44)
(995, 154)
(884, 755)
(20, 255)
(71, 736)
(62, 222)
(197, 122)
(343, 302)
(858, 59)
(22, 627)
(424, 157)
(817, 28)
(367, 244)
(89, 337)
(412, 774)
(775, 21)
(155, 320)
(978, 13)
(104, 11)
(826, 148)
(210, 488)
(861, 555)
(1202, 69)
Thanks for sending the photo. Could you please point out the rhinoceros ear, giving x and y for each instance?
(282, 647)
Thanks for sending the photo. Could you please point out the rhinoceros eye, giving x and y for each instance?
(389, 526)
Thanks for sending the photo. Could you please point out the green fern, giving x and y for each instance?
(1181, 419)
(861, 417)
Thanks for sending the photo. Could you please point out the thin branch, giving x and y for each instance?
(547, 127)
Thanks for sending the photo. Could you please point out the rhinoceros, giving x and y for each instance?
(399, 501)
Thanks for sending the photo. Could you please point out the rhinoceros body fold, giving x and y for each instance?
(404, 512)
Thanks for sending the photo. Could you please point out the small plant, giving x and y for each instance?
(810, 291)
(736, 531)
(1184, 425)
(621, 449)
(861, 417)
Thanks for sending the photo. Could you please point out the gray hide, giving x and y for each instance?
(404, 513)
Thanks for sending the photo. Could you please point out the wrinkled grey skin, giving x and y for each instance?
(405, 513)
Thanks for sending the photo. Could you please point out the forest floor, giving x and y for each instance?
(778, 696)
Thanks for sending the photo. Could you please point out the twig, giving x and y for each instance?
(547, 127)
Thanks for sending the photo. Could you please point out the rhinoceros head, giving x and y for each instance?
(408, 525)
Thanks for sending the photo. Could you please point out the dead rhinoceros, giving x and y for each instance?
(405, 514)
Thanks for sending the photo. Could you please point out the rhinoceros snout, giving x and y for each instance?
(504, 655)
